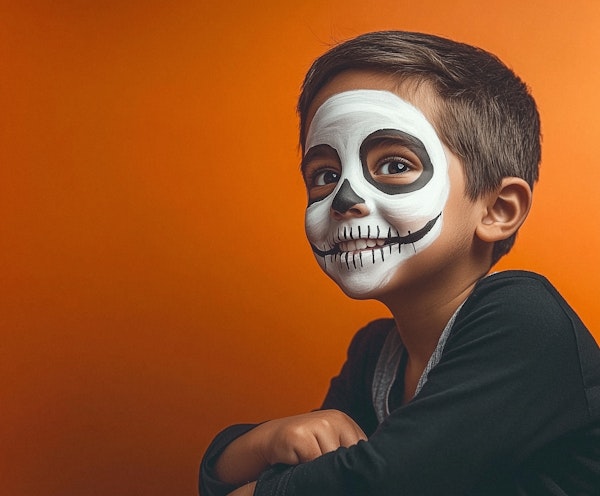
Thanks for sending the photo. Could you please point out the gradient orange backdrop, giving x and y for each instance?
(155, 281)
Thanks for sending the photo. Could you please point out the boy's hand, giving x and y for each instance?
(290, 440)
(302, 438)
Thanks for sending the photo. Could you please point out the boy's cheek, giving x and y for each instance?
(316, 221)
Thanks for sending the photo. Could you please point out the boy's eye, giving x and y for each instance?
(325, 177)
(393, 166)
(321, 183)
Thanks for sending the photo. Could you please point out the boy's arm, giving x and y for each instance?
(343, 395)
(288, 441)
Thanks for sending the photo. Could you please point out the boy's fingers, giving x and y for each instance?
(345, 434)
(308, 451)
(303, 438)
(328, 442)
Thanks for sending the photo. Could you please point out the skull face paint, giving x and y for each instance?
(377, 180)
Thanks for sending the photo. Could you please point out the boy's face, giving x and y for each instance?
(377, 180)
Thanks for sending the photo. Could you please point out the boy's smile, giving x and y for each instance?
(349, 244)
(377, 181)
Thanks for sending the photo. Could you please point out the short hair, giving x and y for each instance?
(485, 113)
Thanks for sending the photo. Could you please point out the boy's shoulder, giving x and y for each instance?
(518, 313)
(521, 291)
(522, 302)
(521, 315)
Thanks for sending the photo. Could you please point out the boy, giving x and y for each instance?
(419, 158)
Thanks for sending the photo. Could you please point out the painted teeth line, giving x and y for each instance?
(360, 244)
(357, 257)
(350, 243)
(344, 246)
(349, 233)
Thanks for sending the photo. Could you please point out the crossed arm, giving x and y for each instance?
(289, 440)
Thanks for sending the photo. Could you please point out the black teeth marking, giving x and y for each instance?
(360, 256)
(368, 231)
(389, 232)
(377, 232)
(359, 231)
(373, 253)
(413, 244)
(354, 260)
(345, 236)
(347, 264)
(351, 237)
(382, 258)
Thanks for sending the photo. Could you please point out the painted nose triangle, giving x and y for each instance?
(345, 198)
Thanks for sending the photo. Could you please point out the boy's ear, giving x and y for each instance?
(505, 210)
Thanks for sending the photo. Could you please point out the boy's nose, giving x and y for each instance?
(347, 203)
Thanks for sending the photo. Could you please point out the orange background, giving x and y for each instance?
(155, 280)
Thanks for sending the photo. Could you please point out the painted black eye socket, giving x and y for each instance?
(395, 162)
(321, 169)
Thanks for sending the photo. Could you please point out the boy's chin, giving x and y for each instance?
(364, 284)
(358, 294)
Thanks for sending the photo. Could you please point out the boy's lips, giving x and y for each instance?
(368, 243)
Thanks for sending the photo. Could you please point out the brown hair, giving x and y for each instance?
(485, 113)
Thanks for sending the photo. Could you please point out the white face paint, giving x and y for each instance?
(368, 212)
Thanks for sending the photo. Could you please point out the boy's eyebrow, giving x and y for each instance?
(318, 151)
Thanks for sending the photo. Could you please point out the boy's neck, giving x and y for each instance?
(421, 323)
